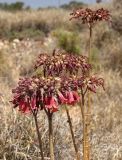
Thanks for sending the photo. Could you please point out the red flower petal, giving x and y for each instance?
(62, 98)
(76, 96)
(70, 98)
(51, 104)
(23, 106)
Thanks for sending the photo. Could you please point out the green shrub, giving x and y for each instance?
(69, 41)
(117, 16)
(72, 5)
(24, 34)
(12, 7)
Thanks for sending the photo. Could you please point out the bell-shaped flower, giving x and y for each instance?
(76, 96)
(70, 98)
(51, 104)
(92, 87)
(94, 82)
(61, 98)
(24, 107)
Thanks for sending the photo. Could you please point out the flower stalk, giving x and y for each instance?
(84, 121)
(39, 136)
(72, 133)
(90, 43)
(51, 145)
(87, 113)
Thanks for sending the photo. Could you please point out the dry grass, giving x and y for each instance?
(33, 21)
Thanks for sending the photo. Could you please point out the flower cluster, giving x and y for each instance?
(93, 83)
(33, 94)
(90, 16)
(60, 63)
(24, 95)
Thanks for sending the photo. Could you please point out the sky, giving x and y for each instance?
(45, 3)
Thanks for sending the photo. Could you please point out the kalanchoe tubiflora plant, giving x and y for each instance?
(25, 97)
(49, 92)
(64, 64)
(61, 63)
(65, 80)
(90, 18)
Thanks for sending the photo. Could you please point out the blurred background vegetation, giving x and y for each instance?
(17, 6)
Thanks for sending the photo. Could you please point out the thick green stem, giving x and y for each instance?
(72, 133)
(39, 136)
(51, 147)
